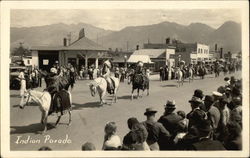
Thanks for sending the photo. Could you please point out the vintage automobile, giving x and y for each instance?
(14, 72)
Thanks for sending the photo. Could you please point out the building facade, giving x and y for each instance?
(82, 52)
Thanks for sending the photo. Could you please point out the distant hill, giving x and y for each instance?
(227, 35)
(157, 33)
(52, 34)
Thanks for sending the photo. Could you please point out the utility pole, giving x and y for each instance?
(127, 46)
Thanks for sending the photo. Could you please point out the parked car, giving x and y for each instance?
(14, 72)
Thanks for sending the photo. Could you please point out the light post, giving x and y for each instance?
(125, 60)
(179, 60)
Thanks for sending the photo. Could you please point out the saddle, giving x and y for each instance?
(60, 102)
(111, 86)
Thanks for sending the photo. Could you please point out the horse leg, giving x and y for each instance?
(42, 118)
(58, 119)
(138, 91)
(102, 98)
(69, 117)
(45, 121)
(132, 94)
(115, 96)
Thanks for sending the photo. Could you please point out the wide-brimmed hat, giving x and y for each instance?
(150, 110)
(195, 99)
(209, 98)
(170, 104)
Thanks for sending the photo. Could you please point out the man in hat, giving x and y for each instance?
(217, 97)
(205, 142)
(156, 131)
(106, 74)
(171, 121)
(196, 113)
(199, 93)
(213, 112)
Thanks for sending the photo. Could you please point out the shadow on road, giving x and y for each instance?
(124, 97)
(77, 106)
(30, 104)
(15, 96)
(169, 85)
(36, 128)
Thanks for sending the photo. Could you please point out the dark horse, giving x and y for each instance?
(139, 81)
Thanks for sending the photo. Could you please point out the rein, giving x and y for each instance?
(39, 98)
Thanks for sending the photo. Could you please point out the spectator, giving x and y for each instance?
(141, 134)
(205, 142)
(21, 77)
(171, 121)
(156, 130)
(88, 146)
(111, 140)
(129, 139)
(195, 103)
(199, 93)
(213, 112)
(181, 132)
(234, 139)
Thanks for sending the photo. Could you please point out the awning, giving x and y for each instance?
(136, 58)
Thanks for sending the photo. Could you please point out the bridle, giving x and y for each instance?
(29, 96)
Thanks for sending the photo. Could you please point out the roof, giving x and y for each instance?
(118, 59)
(135, 58)
(81, 44)
(52, 48)
(84, 44)
(152, 53)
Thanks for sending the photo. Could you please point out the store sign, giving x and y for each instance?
(45, 62)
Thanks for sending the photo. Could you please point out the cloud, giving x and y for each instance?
(118, 19)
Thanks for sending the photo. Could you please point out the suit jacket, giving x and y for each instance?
(207, 144)
(171, 122)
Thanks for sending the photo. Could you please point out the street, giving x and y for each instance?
(89, 118)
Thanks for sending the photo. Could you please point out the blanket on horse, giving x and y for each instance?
(140, 81)
(60, 102)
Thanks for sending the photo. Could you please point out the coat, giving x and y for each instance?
(156, 133)
(207, 144)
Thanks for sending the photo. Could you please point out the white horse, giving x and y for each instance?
(180, 77)
(100, 84)
(43, 99)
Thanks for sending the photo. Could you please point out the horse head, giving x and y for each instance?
(25, 99)
(92, 87)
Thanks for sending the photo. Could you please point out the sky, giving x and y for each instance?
(111, 19)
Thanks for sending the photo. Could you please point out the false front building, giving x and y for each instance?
(82, 52)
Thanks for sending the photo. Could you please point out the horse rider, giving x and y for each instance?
(106, 74)
(53, 85)
(139, 68)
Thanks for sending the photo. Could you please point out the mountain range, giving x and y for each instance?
(228, 35)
